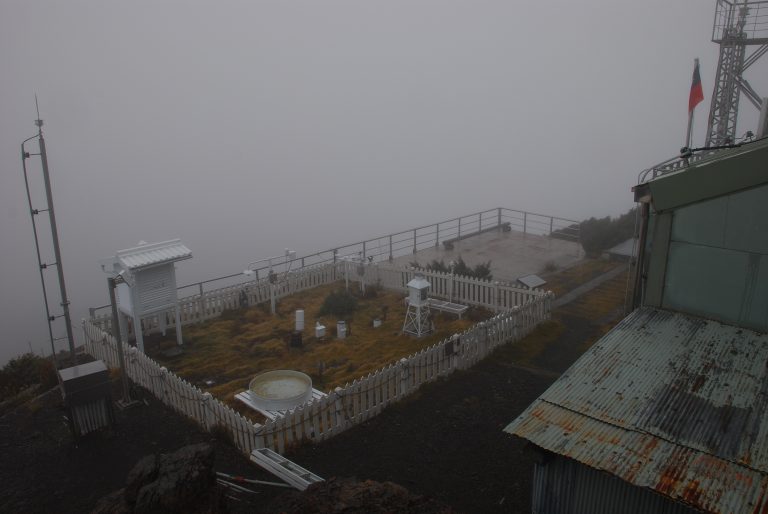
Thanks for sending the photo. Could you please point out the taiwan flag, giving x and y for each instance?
(697, 94)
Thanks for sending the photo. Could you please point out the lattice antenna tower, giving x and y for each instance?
(737, 25)
(54, 239)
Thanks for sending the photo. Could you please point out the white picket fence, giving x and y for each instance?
(198, 308)
(493, 295)
(172, 390)
(342, 408)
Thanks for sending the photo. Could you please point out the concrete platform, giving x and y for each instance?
(512, 254)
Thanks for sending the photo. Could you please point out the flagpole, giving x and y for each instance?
(690, 126)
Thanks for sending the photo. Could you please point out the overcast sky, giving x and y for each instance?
(246, 127)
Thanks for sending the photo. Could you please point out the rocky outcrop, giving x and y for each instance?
(349, 496)
(179, 482)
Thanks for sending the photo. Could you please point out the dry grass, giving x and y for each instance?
(575, 327)
(526, 350)
(232, 349)
(571, 278)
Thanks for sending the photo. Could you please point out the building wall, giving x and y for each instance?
(717, 264)
(563, 486)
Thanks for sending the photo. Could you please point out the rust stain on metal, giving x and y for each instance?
(692, 493)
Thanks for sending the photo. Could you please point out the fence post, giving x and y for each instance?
(551, 222)
(210, 418)
(437, 235)
(498, 218)
(338, 415)
(404, 376)
(480, 223)
(458, 234)
(414, 240)
(390, 247)
(363, 250)
(164, 384)
(525, 223)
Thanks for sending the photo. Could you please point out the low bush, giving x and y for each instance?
(482, 270)
(339, 304)
(24, 371)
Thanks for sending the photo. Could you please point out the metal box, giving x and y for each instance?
(84, 383)
(87, 395)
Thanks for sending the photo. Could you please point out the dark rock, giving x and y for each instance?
(349, 496)
(113, 503)
(185, 483)
(180, 482)
(143, 473)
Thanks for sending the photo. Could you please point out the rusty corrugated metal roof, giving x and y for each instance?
(666, 401)
(152, 254)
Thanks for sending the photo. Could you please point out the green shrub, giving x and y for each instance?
(24, 371)
(339, 304)
(482, 270)
(598, 235)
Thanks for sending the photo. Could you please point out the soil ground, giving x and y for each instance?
(445, 442)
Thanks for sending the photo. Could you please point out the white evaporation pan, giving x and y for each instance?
(281, 389)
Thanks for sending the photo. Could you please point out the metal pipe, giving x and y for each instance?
(37, 251)
(112, 284)
(55, 237)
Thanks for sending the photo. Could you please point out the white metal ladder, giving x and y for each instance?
(283, 468)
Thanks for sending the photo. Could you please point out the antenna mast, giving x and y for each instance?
(54, 236)
(736, 26)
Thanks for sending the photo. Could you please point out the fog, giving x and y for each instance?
(247, 127)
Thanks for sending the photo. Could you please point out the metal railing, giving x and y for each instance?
(739, 20)
(397, 244)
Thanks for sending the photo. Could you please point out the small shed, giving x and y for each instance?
(148, 285)
(531, 281)
(623, 251)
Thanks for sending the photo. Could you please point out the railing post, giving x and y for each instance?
(458, 235)
(437, 235)
(414, 240)
(551, 222)
(390, 248)
(363, 250)
(525, 223)
(335, 252)
(480, 223)
(498, 218)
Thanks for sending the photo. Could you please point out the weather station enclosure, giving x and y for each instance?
(147, 284)
(417, 318)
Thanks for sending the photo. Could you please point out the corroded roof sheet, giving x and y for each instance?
(666, 401)
(152, 254)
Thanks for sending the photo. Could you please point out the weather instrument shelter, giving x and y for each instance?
(417, 318)
(148, 285)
